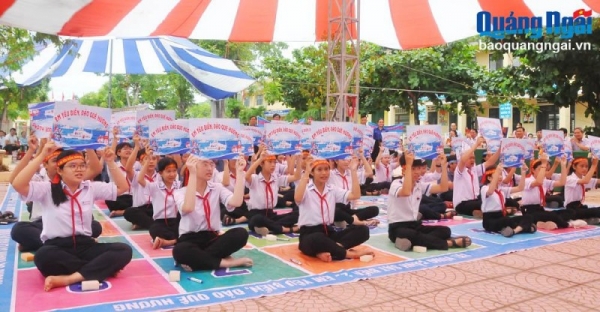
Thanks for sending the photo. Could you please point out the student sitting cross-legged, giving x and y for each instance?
(316, 200)
(200, 246)
(70, 254)
(405, 227)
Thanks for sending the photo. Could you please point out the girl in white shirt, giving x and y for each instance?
(123, 151)
(316, 201)
(493, 206)
(534, 197)
(405, 228)
(70, 254)
(27, 233)
(384, 169)
(141, 212)
(578, 181)
(228, 179)
(263, 189)
(200, 246)
(342, 178)
(164, 229)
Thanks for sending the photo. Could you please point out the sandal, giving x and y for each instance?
(7, 218)
(227, 220)
(465, 242)
(449, 214)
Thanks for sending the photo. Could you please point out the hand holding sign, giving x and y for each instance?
(32, 142)
(353, 163)
(241, 165)
(192, 164)
(109, 155)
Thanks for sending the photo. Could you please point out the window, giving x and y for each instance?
(495, 62)
(432, 118)
(259, 100)
(402, 116)
(494, 113)
(247, 101)
(548, 118)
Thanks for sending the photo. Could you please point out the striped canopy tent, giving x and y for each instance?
(211, 75)
(397, 24)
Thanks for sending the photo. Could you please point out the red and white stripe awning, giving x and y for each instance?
(399, 24)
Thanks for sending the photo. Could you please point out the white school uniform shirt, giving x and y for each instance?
(36, 209)
(163, 199)
(258, 191)
(203, 218)
(576, 192)
(384, 173)
(493, 202)
(337, 179)
(531, 194)
(232, 180)
(406, 208)
(316, 208)
(584, 142)
(514, 182)
(280, 168)
(140, 195)
(215, 176)
(466, 183)
(57, 220)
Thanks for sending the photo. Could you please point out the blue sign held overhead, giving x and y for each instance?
(505, 110)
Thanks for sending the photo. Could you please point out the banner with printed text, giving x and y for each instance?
(553, 142)
(80, 127)
(391, 140)
(125, 122)
(594, 143)
(306, 141)
(512, 152)
(246, 141)
(257, 134)
(491, 130)
(146, 117)
(332, 140)
(41, 117)
(170, 137)
(215, 138)
(283, 138)
(530, 148)
(425, 142)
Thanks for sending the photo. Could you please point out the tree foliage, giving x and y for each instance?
(563, 75)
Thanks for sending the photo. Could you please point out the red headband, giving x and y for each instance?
(579, 160)
(51, 155)
(320, 162)
(171, 166)
(271, 157)
(69, 158)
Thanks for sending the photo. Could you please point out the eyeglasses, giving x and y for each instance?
(74, 167)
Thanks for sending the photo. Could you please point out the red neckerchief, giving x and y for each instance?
(472, 182)
(501, 196)
(207, 211)
(126, 180)
(344, 181)
(168, 193)
(542, 195)
(268, 190)
(323, 199)
(73, 198)
(151, 180)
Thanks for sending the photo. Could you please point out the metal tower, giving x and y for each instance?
(343, 60)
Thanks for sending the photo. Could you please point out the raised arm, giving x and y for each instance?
(21, 181)
(115, 140)
(407, 182)
(355, 193)
(33, 144)
(141, 177)
(464, 158)
(564, 170)
(521, 185)
(509, 175)
(379, 155)
(541, 176)
(365, 163)
(238, 191)
(552, 170)
(94, 165)
(189, 201)
(132, 159)
(301, 186)
(226, 180)
(253, 167)
(493, 160)
(493, 186)
(443, 185)
(119, 179)
(295, 163)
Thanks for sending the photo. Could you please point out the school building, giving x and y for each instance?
(548, 117)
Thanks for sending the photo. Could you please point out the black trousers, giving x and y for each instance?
(447, 196)
(380, 186)
(140, 216)
(318, 239)
(511, 202)
(579, 211)
(495, 222)
(236, 213)
(94, 261)
(345, 213)
(205, 250)
(468, 206)
(432, 237)
(269, 219)
(27, 234)
(123, 202)
(285, 196)
(165, 228)
(559, 199)
(538, 213)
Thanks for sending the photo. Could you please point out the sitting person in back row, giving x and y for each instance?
(405, 227)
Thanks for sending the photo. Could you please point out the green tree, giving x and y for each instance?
(202, 110)
(445, 75)
(564, 72)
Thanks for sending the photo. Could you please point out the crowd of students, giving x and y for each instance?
(184, 201)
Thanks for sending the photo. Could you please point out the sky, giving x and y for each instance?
(80, 84)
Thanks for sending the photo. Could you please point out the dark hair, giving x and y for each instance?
(363, 116)
(520, 128)
(564, 130)
(455, 133)
(485, 179)
(163, 163)
(276, 115)
(121, 145)
(572, 168)
(140, 153)
(56, 189)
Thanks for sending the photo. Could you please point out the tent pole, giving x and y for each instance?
(110, 67)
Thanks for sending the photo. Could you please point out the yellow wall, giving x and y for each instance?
(580, 119)
(274, 106)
